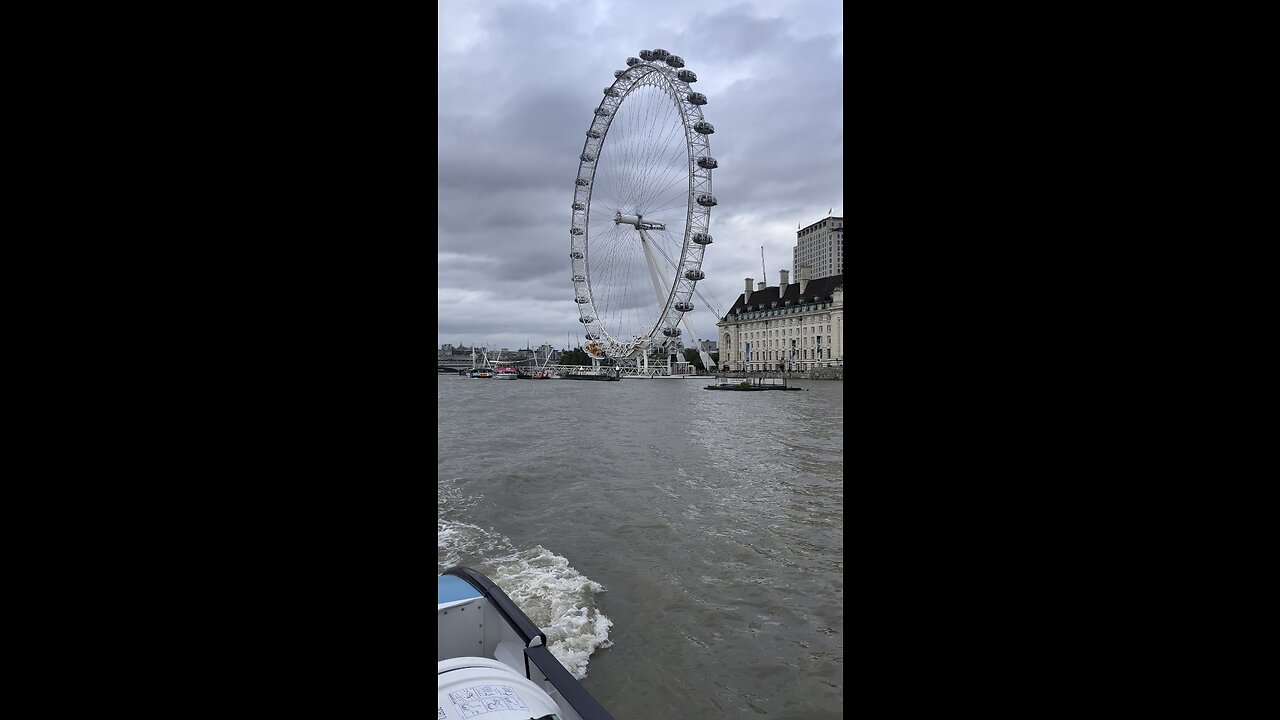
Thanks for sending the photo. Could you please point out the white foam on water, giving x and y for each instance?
(558, 599)
(555, 596)
(458, 542)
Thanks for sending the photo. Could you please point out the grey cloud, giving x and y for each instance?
(512, 115)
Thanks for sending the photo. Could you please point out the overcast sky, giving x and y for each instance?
(518, 81)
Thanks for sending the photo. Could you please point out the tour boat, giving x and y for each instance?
(505, 372)
(494, 663)
(589, 373)
(659, 374)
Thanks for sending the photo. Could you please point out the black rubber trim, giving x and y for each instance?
(569, 688)
(514, 615)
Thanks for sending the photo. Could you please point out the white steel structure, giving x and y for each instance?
(642, 212)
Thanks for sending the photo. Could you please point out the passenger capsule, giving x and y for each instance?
(602, 112)
(671, 331)
(695, 275)
(618, 73)
(575, 231)
(708, 162)
(593, 336)
(579, 206)
(696, 98)
(707, 200)
(646, 54)
(704, 127)
(633, 61)
(660, 54)
(586, 320)
(687, 76)
(581, 300)
(612, 91)
(593, 134)
(581, 182)
(702, 238)
(576, 255)
(684, 306)
(587, 157)
(675, 61)
(579, 278)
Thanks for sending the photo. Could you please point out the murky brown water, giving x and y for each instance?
(683, 548)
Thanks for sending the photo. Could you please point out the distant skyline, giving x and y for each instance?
(517, 83)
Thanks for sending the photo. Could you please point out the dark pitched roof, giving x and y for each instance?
(822, 287)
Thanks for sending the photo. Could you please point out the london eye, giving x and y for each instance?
(642, 211)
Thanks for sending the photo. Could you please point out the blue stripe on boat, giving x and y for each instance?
(452, 587)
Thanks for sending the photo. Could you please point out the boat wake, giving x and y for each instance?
(558, 599)
(555, 596)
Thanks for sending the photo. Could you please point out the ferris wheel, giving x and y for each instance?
(642, 210)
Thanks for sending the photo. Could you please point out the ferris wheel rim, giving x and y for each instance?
(661, 71)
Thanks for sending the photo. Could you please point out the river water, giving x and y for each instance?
(683, 549)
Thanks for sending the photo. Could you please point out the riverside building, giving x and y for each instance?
(821, 247)
(794, 326)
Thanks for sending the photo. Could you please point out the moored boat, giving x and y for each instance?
(659, 376)
(492, 660)
(751, 384)
(588, 373)
(505, 372)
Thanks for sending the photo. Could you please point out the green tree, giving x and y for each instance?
(576, 356)
(693, 359)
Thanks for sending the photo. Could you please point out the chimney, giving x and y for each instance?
(804, 277)
(760, 285)
(746, 296)
(782, 286)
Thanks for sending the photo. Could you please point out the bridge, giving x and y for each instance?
(453, 364)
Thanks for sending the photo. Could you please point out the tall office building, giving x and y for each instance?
(821, 247)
